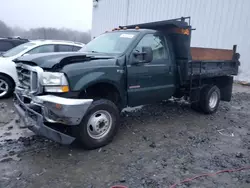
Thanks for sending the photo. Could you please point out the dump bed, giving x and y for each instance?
(208, 62)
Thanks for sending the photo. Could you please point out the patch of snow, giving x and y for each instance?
(132, 109)
(13, 131)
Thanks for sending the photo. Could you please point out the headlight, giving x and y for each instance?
(55, 82)
(54, 79)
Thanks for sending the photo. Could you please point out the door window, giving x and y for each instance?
(65, 48)
(157, 43)
(42, 49)
(76, 48)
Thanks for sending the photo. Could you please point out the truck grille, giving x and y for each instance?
(28, 78)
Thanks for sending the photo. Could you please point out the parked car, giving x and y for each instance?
(8, 43)
(80, 96)
(8, 75)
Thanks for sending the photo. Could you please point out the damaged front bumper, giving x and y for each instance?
(36, 111)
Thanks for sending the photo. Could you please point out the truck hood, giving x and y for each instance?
(58, 60)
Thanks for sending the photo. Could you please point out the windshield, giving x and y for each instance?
(18, 49)
(113, 42)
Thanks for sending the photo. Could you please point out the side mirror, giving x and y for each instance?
(143, 56)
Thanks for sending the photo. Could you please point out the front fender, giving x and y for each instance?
(88, 80)
(96, 78)
(80, 79)
(83, 75)
(8, 67)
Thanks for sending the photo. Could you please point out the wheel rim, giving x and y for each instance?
(213, 100)
(99, 124)
(4, 87)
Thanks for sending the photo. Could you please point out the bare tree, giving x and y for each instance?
(47, 33)
(5, 31)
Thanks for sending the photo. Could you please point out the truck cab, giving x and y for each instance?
(79, 96)
(150, 68)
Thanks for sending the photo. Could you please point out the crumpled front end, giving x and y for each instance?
(40, 112)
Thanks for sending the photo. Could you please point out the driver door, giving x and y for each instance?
(154, 81)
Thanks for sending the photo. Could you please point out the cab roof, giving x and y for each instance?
(179, 23)
(134, 30)
(42, 42)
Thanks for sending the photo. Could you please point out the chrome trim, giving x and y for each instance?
(60, 100)
(57, 109)
(62, 110)
(37, 124)
(33, 70)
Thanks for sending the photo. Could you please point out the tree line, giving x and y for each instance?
(45, 33)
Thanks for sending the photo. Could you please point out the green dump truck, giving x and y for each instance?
(79, 95)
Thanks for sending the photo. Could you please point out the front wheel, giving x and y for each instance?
(100, 124)
(6, 87)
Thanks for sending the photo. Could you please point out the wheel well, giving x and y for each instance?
(224, 83)
(103, 90)
(9, 77)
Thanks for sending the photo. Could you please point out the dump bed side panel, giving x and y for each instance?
(213, 68)
(210, 54)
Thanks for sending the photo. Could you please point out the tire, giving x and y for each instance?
(210, 99)
(94, 135)
(7, 87)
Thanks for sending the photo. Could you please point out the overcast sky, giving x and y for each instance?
(74, 14)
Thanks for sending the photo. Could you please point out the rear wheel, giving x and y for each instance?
(210, 99)
(100, 124)
(6, 86)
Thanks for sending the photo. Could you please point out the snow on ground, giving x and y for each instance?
(132, 109)
(10, 123)
(12, 131)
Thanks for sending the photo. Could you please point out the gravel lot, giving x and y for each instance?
(157, 146)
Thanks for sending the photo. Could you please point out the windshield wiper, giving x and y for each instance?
(93, 51)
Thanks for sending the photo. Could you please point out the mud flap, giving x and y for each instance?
(226, 87)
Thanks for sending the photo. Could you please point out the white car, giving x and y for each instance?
(8, 74)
